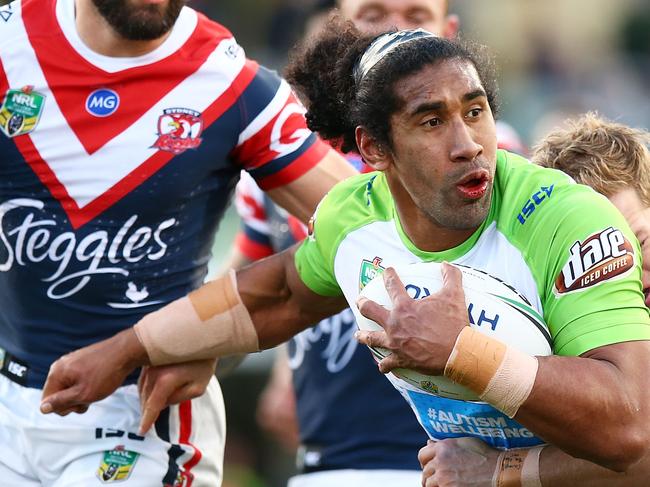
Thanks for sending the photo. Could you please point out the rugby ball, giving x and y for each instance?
(493, 308)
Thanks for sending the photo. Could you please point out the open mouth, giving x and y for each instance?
(474, 185)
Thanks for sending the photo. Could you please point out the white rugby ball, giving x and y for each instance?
(493, 307)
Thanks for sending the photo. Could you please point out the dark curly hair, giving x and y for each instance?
(321, 72)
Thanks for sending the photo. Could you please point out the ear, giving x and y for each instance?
(452, 23)
(373, 153)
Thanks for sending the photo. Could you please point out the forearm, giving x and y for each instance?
(593, 407)
(278, 301)
(265, 304)
(301, 196)
(590, 408)
(558, 469)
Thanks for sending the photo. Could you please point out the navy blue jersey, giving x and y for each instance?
(114, 172)
(349, 415)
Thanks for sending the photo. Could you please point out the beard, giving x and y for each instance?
(139, 23)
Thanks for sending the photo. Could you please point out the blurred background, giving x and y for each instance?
(557, 58)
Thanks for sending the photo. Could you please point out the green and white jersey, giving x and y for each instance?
(560, 244)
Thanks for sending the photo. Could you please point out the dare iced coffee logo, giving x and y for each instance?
(600, 257)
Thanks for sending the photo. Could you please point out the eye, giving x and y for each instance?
(474, 112)
(372, 15)
(419, 17)
(433, 122)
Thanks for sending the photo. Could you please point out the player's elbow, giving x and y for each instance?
(625, 450)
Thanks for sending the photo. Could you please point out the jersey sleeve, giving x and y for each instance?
(315, 257)
(253, 239)
(594, 295)
(275, 145)
(586, 263)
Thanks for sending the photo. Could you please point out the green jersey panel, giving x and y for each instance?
(582, 254)
(566, 248)
(350, 205)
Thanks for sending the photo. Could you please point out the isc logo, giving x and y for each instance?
(102, 102)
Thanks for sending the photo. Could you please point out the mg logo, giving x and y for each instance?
(102, 102)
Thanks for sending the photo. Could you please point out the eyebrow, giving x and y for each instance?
(441, 105)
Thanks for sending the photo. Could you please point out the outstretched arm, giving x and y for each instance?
(265, 305)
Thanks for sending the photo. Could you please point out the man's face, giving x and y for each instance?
(140, 20)
(374, 16)
(638, 217)
(444, 145)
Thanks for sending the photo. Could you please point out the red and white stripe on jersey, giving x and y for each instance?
(281, 122)
(249, 201)
(88, 169)
(254, 239)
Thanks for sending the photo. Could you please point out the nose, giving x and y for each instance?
(464, 148)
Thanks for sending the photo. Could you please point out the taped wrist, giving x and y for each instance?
(500, 375)
(518, 468)
(209, 322)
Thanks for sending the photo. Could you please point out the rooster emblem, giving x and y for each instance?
(136, 295)
(179, 129)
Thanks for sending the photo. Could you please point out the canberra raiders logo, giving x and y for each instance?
(21, 111)
(117, 464)
(369, 270)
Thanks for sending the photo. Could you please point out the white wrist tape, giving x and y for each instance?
(209, 322)
(518, 468)
(500, 375)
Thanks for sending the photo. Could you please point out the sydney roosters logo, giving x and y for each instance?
(179, 129)
(600, 257)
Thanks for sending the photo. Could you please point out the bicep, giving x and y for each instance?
(301, 196)
(630, 362)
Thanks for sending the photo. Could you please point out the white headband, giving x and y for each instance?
(381, 46)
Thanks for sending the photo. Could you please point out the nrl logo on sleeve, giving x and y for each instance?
(21, 111)
(369, 270)
(600, 257)
(117, 464)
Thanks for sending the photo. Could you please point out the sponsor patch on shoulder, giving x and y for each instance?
(601, 257)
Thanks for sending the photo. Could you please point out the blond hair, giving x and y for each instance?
(605, 155)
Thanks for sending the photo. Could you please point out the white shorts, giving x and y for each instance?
(100, 447)
(358, 478)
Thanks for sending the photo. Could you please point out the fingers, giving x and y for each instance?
(389, 363)
(428, 471)
(427, 453)
(62, 402)
(452, 277)
(187, 392)
(76, 409)
(146, 383)
(142, 380)
(394, 285)
(372, 338)
(156, 401)
(373, 311)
